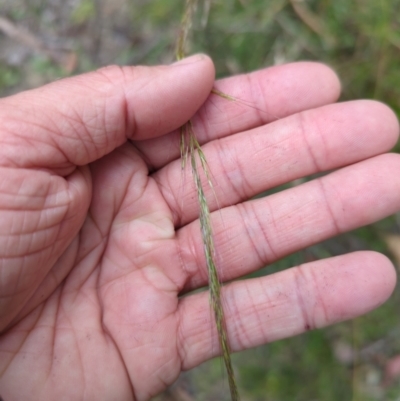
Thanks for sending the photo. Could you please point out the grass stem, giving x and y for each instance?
(190, 148)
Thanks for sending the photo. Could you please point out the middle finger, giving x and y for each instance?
(245, 164)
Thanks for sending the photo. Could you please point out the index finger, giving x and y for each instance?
(259, 98)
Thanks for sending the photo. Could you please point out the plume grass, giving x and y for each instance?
(190, 148)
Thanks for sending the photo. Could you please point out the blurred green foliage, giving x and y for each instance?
(360, 39)
(83, 12)
(9, 76)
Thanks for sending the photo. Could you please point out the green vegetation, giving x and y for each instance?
(9, 76)
(83, 12)
(361, 41)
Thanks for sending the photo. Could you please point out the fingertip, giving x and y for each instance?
(300, 86)
(367, 280)
(383, 276)
(172, 95)
(195, 59)
(325, 79)
(387, 123)
(201, 67)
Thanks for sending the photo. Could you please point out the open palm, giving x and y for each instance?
(99, 232)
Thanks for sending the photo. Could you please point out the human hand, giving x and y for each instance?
(99, 230)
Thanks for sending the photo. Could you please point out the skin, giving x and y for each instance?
(99, 232)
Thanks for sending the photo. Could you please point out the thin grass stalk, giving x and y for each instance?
(186, 24)
(209, 252)
(190, 147)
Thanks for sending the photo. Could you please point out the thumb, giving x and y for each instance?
(77, 120)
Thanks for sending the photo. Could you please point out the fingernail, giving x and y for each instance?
(189, 60)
